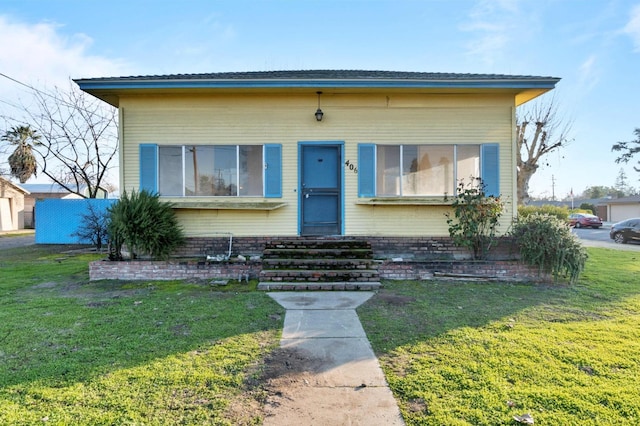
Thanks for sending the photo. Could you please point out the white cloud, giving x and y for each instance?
(589, 74)
(492, 25)
(633, 27)
(42, 55)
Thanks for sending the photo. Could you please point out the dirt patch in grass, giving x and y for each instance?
(98, 304)
(180, 330)
(44, 285)
(395, 299)
(417, 405)
(284, 366)
(84, 290)
(269, 382)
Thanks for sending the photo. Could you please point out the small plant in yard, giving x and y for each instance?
(561, 213)
(548, 243)
(475, 218)
(93, 226)
(145, 225)
(588, 208)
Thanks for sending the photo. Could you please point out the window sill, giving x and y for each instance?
(406, 201)
(228, 205)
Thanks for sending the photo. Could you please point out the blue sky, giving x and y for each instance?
(593, 45)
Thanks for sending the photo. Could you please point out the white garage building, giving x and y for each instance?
(623, 208)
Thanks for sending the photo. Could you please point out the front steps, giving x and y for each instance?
(318, 264)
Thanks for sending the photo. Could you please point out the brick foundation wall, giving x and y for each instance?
(412, 248)
(389, 270)
(136, 270)
(401, 258)
(503, 270)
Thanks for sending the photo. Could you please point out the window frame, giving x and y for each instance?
(402, 193)
(238, 171)
(488, 169)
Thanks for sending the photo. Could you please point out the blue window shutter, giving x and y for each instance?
(490, 168)
(149, 167)
(273, 171)
(366, 170)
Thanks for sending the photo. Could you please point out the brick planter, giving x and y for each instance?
(172, 270)
(500, 270)
(389, 270)
(398, 258)
(408, 248)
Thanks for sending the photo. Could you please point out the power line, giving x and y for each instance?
(43, 93)
(10, 104)
(29, 87)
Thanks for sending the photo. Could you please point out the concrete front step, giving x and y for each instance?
(314, 286)
(311, 243)
(318, 263)
(316, 253)
(320, 275)
(289, 263)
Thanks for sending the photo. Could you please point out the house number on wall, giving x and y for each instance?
(351, 166)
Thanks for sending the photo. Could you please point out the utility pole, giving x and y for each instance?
(553, 188)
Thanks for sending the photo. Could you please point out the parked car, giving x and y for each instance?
(584, 220)
(625, 231)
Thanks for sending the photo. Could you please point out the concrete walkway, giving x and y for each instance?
(346, 386)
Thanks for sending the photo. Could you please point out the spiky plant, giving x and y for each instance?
(146, 225)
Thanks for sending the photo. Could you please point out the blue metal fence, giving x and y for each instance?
(58, 220)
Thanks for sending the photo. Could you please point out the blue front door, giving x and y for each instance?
(320, 189)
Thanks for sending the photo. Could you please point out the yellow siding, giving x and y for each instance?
(287, 120)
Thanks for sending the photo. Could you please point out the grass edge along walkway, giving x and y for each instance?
(482, 353)
(77, 352)
(73, 352)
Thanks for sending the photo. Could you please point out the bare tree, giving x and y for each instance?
(539, 131)
(78, 139)
(629, 149)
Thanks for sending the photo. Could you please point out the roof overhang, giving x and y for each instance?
(7, 183)
(111, 89)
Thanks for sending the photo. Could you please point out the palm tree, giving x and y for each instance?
(22, 161)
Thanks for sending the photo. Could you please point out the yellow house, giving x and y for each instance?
(317, 153)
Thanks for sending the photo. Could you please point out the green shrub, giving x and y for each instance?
(561, 213)
(145, 225)
(588, 208)
(475, 219)
(548, 243)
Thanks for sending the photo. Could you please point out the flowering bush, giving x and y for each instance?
(475, 218)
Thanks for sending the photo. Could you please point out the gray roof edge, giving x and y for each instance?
(624, 200)
(323, 75)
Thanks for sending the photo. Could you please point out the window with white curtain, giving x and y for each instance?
(425, 170)
(210, 170)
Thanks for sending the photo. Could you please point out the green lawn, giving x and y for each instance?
(481, 353)
(79, 352)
